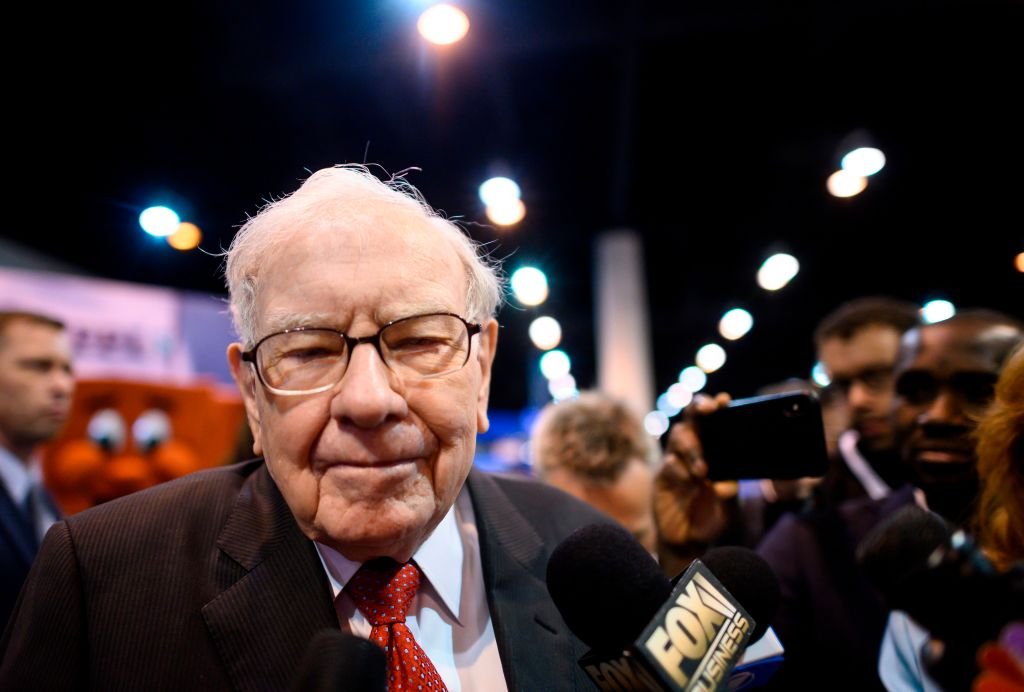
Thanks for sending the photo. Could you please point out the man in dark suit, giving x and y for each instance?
(367, 339)
(35, 397)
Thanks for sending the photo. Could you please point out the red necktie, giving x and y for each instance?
(382, 589)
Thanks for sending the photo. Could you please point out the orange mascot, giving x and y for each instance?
(124, 436)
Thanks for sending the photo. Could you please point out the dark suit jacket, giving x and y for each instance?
(831, 618)
(18, 546)
(207, 583)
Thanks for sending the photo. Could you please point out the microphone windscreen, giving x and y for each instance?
(336, 660)
(898, 547)
(751, 581)
(606, 585)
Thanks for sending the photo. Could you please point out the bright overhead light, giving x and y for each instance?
(863, 161)
(656, 423)
(562, 388)
(443, 24)
(530, 286)
(735, 323)
(159, 221)
(545, 333)
(693, 378)
(186, 237)
(679, 395)
(777, 271)
(710, 357)
(507, 213)
(820, 375)
(499, 190)
(555, 364)
(843, 183)
(937, 310)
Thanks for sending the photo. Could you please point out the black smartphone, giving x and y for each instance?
(779, 436)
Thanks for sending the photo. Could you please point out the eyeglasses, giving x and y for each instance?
(308, 360)
(974, 389)
(875, 379)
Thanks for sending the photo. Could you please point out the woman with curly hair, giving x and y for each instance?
(999, 520)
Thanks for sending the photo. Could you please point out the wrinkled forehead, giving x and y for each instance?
(958, 347)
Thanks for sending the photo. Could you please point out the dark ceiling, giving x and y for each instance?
(709, 128)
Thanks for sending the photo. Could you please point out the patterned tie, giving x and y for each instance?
(383, 590)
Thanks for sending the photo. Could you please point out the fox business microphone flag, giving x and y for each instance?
(691, 644)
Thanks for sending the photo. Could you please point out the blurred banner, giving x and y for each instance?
(129, 331)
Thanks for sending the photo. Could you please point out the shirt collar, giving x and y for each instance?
(17, 477)
(439, 558)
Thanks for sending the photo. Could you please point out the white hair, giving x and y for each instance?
(345, 197)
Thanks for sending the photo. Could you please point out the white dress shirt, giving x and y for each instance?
(449, 616)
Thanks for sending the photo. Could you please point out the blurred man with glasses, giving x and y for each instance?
(857, 345)
(367, 340)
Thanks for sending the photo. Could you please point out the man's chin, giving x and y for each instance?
(874, 444)
(363, 532)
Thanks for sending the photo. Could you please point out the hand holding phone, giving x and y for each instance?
(779, 436)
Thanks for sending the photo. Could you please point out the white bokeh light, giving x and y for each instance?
(710, 357)
(656, 423)
(680, 395)
(820, 375)
(666, 406)
(530, 286)
(735, 324)
(863, 161)
(159, 221)
(693, 378)
(937, 310)
(443, 24)
(562, 388)
(499, 190)
(777, 271)
(545, 333)
(555, 364)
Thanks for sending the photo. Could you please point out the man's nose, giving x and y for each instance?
(859, 396)
(62, 382)
(369, 392)
(945, 410)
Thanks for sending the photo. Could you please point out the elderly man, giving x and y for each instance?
(35, 397)
(368, 336)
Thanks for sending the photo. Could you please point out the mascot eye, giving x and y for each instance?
(151, 429)
(106, 428)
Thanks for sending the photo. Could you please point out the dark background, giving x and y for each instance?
(709, 127)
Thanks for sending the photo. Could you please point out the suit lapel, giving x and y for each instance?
(263, 619)
(534, 643)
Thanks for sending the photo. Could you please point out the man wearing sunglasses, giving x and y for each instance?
(367, 337)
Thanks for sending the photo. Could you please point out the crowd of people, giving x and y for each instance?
(367, 336)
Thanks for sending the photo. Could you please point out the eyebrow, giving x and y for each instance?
(283, 321)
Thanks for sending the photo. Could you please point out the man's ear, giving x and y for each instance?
(245, 378)
(488, 344)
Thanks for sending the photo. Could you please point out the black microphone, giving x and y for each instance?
(336, 660)
(649, 633)
(942, 580)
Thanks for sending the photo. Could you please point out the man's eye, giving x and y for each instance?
(917, 389)
(308, 354)
(976, 390)
(414, 343)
